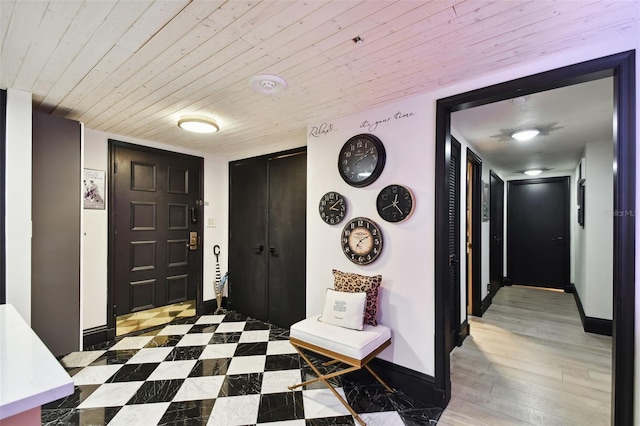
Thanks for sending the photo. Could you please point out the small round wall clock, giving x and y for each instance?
(361, 241)
(361, 160)
(332, 208)
(395, 203)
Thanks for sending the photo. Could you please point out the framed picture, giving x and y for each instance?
(581, 206)
(485, 202)
(93, 187)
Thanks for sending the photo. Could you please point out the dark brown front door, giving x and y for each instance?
(538, 232)
(156, 217)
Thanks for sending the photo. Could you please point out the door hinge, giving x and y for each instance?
(114, 311)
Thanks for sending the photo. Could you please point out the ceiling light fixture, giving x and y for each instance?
(525, 134)
(268, 83)
(532, 172)
(198, 124)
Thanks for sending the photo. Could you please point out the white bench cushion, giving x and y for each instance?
(351, 343)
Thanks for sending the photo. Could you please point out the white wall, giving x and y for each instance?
(407, 261)
(598, 220)
(593, 244)
(18, 202)
(95, 248)
(578, 245)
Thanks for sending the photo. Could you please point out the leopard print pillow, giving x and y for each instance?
(355, 283)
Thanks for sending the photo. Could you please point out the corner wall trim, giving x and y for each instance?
(410, 382)
(590, 324)
(208, 307)
(486, 302)
(94, 336)
(465, 330)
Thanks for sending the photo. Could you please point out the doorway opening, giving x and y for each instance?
(474, 217)
(622, 68)
(148, 318)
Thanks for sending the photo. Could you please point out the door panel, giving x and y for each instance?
(454, 243)
(496, 230)
(267, 237)
(287, 239)
(55, 249)
(538, 232)
(247, 237)
(154, 194)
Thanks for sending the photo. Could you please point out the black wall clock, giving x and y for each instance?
(395, 203)
(361, 241)
(332, 208)
(361, 160)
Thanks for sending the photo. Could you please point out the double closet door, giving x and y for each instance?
(267, 237)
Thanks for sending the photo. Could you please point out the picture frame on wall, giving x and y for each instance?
(485, 201)
(581, 204)
(93, 189)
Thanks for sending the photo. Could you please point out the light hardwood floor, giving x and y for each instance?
(529, 362)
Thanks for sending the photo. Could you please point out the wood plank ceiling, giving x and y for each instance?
(134, 67)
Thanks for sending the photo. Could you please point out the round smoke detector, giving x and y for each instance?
(268, 83)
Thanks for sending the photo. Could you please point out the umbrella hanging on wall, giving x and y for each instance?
(220, 280)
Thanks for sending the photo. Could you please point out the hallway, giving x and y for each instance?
(529, 362)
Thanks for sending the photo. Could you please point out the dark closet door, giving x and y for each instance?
(287, 239)
(454, 243)
(538, 232)
(55, 244)
(155, 211)
(248, 181)
(267, 237)
(496, 230)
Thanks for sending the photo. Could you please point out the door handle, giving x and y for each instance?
(272, 250)
(193, 241)
(258, 249)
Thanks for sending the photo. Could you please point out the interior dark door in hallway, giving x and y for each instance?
(454, 243)
(156, 208)
(496, 230)
(538, 232)
(267, 237)
(248, 236)
(287, 238)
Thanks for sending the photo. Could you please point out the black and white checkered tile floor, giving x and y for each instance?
(216, 370)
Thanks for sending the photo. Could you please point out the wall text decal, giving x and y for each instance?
(321, 130)
(372, 126)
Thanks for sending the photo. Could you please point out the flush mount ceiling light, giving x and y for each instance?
(534, 171)
(268, 83)
(520, 100)
(198, 124)
(525, 134)
(543, 130)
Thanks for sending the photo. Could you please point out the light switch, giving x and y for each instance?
(211, 222)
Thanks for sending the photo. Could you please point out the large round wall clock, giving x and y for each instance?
(332, 208)
(395, 203)
(361, 160)
(361, 241)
